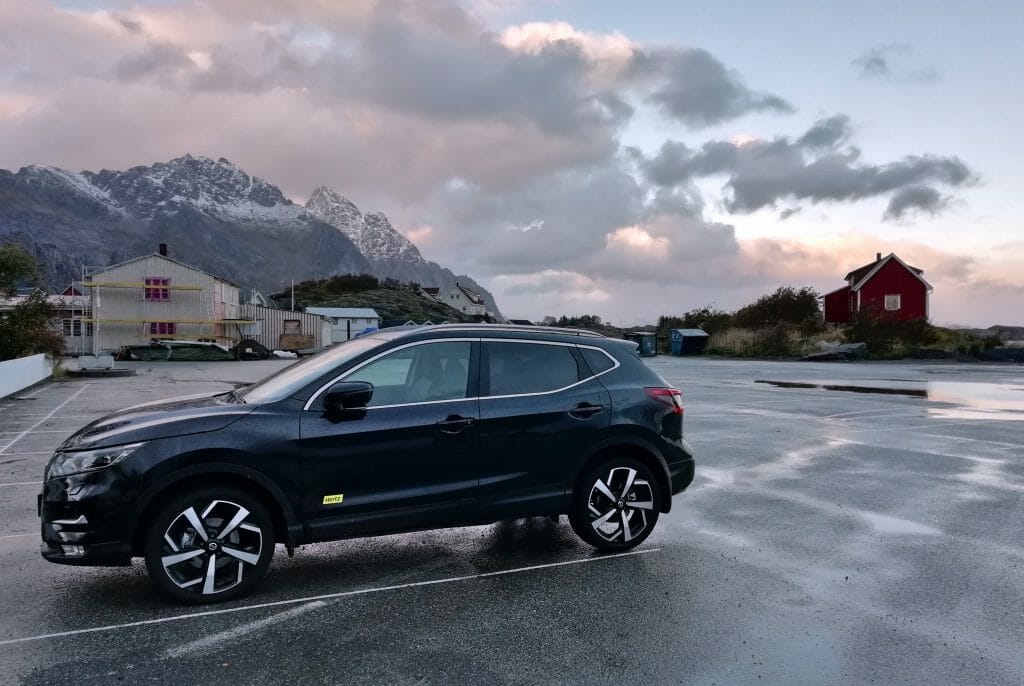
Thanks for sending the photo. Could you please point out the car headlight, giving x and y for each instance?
(65, 464)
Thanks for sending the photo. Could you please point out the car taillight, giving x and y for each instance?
(670, 396)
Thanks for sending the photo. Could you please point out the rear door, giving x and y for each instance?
(540, 408)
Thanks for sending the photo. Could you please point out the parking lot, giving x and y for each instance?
(861, 523)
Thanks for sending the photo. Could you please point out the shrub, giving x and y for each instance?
(786, 305)
(29, 329)
(887, 336)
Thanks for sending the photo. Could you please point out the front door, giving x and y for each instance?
(409, 460)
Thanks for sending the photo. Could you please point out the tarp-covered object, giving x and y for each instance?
(250, 349)
(180, 351)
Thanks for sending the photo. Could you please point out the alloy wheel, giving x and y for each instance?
(209, 550)
(618, 505)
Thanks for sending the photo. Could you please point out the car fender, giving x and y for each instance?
(293, 529)
(662, 471)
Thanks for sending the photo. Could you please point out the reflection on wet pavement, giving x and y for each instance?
(964, 399)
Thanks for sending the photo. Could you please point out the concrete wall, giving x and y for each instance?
(21, 373)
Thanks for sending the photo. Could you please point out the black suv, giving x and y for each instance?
(404, 429)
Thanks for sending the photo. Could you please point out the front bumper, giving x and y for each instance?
(82, 519)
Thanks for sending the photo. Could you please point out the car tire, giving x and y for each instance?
(615, 504)
(209, 545)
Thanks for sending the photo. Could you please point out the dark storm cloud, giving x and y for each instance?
(698, 90)
(885, 62)
(813, 167)
(827, 133)
(920, 198)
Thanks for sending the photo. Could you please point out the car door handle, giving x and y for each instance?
(454, 423)
(585, 410)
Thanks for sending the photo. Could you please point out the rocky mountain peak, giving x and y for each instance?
(217, 187)
(371, 232)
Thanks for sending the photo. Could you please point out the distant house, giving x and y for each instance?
(888, 286)
(431, 292)
(465, 300)
(347, 322)
(520, 322)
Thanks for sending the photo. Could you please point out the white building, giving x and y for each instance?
(346, 322)
(464, 300)
(69, 306)
(156, 297)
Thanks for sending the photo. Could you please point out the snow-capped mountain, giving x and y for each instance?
(218, 188)
(371, 232)
(214, 215)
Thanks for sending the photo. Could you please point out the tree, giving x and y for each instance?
(29, 329)
(16, 266)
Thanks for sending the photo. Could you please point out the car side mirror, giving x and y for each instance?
(348, 395)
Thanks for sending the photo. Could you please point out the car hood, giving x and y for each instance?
(162, 419)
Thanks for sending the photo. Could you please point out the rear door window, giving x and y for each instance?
(517, 368)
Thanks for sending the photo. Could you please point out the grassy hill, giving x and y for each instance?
(392, 302)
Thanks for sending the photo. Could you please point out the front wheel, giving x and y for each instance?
(209, 545)
(615, 506)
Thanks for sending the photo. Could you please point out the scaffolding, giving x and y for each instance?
(85, 310)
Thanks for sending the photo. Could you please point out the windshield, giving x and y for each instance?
(290, 379)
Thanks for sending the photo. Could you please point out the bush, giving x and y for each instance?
(767, 341)
(887, 336)
(29, 329)
(786, 305)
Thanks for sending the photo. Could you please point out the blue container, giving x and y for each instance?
(687, 341)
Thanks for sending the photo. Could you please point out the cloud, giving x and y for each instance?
(886, 62)
(921, 198)
(817, 166)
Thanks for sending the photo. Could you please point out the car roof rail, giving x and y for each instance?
(517, 327)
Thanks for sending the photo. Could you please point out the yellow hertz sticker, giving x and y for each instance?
(333, 499)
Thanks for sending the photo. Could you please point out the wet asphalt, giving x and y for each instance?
(832, 536)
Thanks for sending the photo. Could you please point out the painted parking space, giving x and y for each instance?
(829, 537)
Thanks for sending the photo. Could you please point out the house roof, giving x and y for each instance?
(169, 259)
(471, 295)
(841, 288)
(431, 291)
(345, 312)
(859, 273)
(61, 302)
(876, 266)
(520, 322)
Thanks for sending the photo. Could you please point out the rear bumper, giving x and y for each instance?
(681, 475)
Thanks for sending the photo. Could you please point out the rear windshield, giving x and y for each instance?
(290, 379)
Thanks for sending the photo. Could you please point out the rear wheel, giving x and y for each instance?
(209, 545)
(615, 506)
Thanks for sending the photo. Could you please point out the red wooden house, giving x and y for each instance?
(888, 286)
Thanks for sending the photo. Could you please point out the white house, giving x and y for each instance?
(346, 322)
(464, 300)
(156, 297)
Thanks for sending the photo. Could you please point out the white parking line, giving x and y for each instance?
(52, 412)
(326, 596)
(236, 632)
(17, 535)
(22, 483)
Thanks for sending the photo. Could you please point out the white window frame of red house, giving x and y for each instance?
(157, 289)
(898, 303)
(162, 329)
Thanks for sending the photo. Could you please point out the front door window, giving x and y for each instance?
(429, 372)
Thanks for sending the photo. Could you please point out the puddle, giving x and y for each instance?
(952, 399)
(911, 392)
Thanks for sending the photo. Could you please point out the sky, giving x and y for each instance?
(574, 156)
